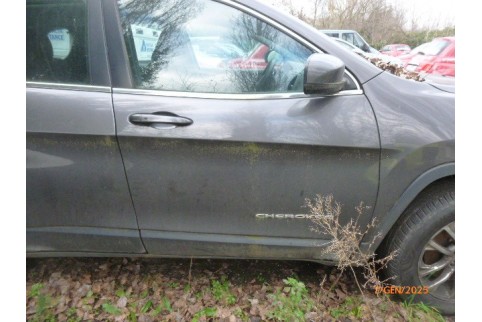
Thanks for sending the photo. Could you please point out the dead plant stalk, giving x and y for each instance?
(346, 240)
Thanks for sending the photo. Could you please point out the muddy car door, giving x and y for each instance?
(77, 194)
(220, 153)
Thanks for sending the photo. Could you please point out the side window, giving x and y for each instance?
(208, 47)
(57, 41)
(451, 52)
(358, 41)
(348, 37)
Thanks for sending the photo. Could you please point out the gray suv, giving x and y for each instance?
(352, 37)
(198, 129)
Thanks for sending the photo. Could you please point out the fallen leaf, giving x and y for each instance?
(83, 290)
(341, 295)
(122, 302)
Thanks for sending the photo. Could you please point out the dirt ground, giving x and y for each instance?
(125, 289)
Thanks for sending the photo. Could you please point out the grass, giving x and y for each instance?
(110, 308)
(165, 306)
(419, 312)
(173, 284)
(350, 308)
(44, 311)
(146, 307)
(207, 312)
(72, 315)
(221, 292)
(292, 303)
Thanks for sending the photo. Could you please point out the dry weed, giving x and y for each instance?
(346, 240)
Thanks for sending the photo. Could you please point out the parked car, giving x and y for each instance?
(349, 46)
(395, 49)
(406, 57)
(436, 57)
(255, 60)
(352, 37)
(133, 152)
(355, 49)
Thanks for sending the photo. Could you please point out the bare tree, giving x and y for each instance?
(168, 19)
(246, 29)
(317, 11)
(376, 20)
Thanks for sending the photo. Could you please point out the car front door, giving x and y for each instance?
(77, 193)
(220, 157)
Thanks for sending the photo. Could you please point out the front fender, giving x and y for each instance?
(411, 192)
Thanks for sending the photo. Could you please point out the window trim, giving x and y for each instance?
(227, 96)
(72, 87)
(97, 46)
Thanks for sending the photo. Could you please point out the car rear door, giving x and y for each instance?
(219, 163)
(77, 193)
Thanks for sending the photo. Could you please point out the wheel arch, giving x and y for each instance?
(414, 192)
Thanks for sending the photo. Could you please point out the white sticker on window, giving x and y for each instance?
(61, 41)
(145, 40)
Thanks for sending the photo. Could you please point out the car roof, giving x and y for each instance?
(345, 42)
(449, 38)
(337, 30)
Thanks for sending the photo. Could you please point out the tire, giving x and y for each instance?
(424, 238)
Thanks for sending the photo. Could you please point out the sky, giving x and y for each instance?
(427, 13)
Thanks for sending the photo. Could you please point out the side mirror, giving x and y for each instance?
(324, 74)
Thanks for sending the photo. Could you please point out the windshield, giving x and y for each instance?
(345, 44)
(359, 42)
(419, 49)
(435, 47)
(404, 48)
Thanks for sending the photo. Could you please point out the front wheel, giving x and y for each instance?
(424, 238)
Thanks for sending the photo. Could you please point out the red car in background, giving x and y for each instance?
(436, 57)
(395, 50)
(414, 52)
(256, 59)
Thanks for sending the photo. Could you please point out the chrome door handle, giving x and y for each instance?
(160, 117)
